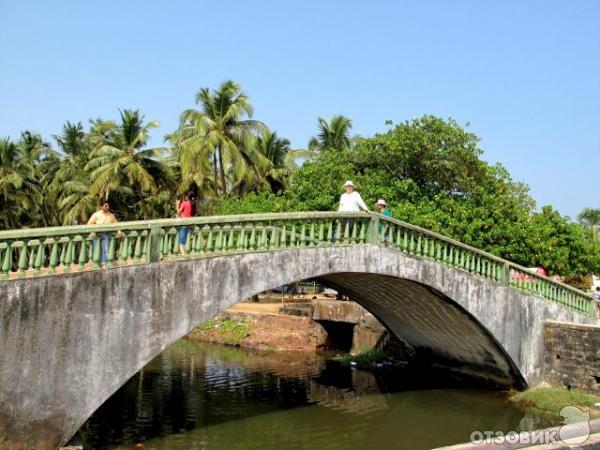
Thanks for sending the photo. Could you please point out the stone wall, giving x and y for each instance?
(572, 355)
(368, 332)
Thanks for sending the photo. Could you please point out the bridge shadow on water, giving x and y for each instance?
(215, 397)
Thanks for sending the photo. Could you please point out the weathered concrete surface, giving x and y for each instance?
(368, 332)
(69, 341)
(572, 355)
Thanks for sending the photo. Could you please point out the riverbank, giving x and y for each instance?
(551, 401)
(304, 325)
(265, 329)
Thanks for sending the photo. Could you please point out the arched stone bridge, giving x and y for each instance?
(72, 334)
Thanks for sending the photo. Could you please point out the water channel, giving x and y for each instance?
(203, 396)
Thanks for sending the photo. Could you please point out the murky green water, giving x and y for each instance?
(199, 396)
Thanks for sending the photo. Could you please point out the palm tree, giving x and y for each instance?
(590, 218)
(19, 191)
(333, 135)
(74, 140)
(272, 167)
(45, 162)
(217, 137)
(70, 187)
(121, 168)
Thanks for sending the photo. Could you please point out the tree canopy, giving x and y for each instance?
(429, 170)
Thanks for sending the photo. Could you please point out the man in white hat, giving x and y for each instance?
(351, 200)
(383, 226)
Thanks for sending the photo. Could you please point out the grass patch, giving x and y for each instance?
(363, 358)
(206, 325)
(549, 401)
(233, 331)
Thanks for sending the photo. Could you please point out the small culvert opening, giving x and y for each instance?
(339, 335)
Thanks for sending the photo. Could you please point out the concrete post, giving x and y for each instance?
(154, 245)
(373, 230)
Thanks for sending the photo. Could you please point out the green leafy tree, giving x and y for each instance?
(430, 172)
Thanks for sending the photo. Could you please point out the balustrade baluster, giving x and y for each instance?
(303, 235)
(346, 237)
(173, 241)
(166, 243)
(252, 240)
(293, 237)
(241, 241)
(53, 260)
(40, 256)
(97, 251)
(283, 237)
(82, 256)
(338, 233)
(210, 240)
(321, 232)
(123, 252)
(23, 259)
(263, 238)
(273, 241)
(32, 253)
(311, 237)
(145, 244)
(353, 232)
(330, 232)
(432, 247)
(7, 260)
(219, 243)
(63, 252)
(137, 242)
(231, 238)
(363, 232)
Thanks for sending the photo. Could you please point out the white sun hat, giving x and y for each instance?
(348, 183)
(380, 202)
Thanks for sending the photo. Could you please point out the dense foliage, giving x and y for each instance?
(429, 170)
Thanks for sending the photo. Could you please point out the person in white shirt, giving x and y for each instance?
(351, 200)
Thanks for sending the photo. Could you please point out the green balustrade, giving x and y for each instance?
(48, 251)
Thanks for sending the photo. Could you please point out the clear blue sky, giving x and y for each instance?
(525, 74)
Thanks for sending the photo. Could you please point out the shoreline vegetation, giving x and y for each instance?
(549, 401)
(429, 170)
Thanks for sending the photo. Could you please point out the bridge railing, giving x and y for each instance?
(424, 243)
(46, 251)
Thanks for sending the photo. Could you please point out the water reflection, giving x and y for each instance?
(200, 396)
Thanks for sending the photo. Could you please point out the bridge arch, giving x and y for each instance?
(71, 340)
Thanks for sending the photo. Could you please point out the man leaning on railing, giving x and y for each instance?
(103, 217)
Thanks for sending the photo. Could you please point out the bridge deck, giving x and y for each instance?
(52, 251)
